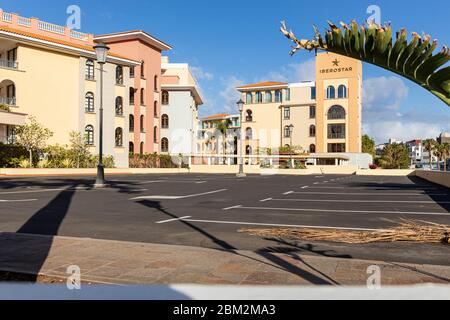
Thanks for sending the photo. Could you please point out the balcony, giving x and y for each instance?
(9, 64)
(336, 136)
(8, 101)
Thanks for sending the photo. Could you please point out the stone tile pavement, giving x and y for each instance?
(122, 263)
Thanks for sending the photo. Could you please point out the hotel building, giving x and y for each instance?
(180, 102)
(325, 114)
(50, 72)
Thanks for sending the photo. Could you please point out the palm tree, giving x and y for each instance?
(443, 153)
(430, 146)
(223, 127)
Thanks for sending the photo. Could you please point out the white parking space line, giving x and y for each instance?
(357, 201)
(341, 211)
(265, 200)
(40, 191)
(369, 194)
(172, 220)
(372, 188)
(231, 208)
(172, 181)
(288, 193)
(24, 200)
(276, 225)
(163, 197)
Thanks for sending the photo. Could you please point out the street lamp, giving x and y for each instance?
(240, 105)
(291, 130)
(101, 51)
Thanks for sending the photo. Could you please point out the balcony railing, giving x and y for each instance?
(8, 101)
(9, 64)
(336, 136)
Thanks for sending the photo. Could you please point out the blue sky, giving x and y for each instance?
(232, 42)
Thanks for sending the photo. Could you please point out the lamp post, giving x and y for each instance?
(291, 130)
(240, 105)
(101, 51)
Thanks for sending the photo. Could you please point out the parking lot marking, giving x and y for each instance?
(172, 181)
(369, 188)
(371, 194)
(231, 208)
(305, 187)
(358, 201)
(24, 200)
(287, 193)
(39, 191)
(265, 200)
(162, 197)
(172, 220)
(277, 225)
(343, 211)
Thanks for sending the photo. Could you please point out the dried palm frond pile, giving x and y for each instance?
(407, 231)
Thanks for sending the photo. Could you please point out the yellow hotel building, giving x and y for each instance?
(321, 117)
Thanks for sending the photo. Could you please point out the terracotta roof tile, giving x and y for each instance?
(263, 84)
(217, 116)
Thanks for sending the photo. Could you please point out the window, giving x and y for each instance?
(287, 132)
(312, 112)
(141, 148)
(132, 70)
(268, 96)
(89, 135)
(165, 121)
(142, 69)
(164, 145)
(155, 134)
(331, 92)
(142, 122)
(342, 92)
(249, 98)
(312, 148)
(248, 134)
(119, 106)
(259, 98)
(156, 83)
(131, 123)
(336, 147)
(119, 75)
(248, 150)
(89, 102)
(336, 113)
(131, 147)
(12, 55)
(287, 113)
(313, 93)
(336, 131)
(165, 98)
(249, 117)
(155, 109)
(287, 94)
(312, 131)
(119, 137)
(90, 75)
(142, 97)
(278, 96)
(132, 92)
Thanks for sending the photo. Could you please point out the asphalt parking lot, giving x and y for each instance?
(208, 210)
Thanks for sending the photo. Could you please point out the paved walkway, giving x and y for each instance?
(115, 262)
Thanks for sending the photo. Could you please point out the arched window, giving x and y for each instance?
(249, 117)
(89, 135)
(165, 98)
(155, 109)
(249, 98)
(119, 75)
(165, 121)
(259, 98)
(155, 134)
(142, 97)
(119, 137)
(131, 147)
(141, 149)
(89, 102)
(331, 92)
(164, 145)
(278, 96)
(131, 122)
(268, 96)
(142, 123)
(342, 92)
(248, 134)
(336, 113)
(119, 106)
(312, 131)
(287, 132)
(156, 83)
(312, 148)
(90, 71)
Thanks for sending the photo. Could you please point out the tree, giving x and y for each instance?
(223, 127)
(32, 136)
(429, 146)
(443, 152)
(368, 145)
(395, 156)
(78, 148)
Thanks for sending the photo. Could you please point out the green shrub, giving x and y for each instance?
(4, 107)
(11, 155)
(157, 161)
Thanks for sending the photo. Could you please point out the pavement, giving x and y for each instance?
(205, 212)
(129, 263)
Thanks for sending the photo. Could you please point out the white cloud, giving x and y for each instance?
(201, 74)
(294, 72)
(229, 94)
(385, 92)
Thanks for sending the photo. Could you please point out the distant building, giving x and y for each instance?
(444, 137)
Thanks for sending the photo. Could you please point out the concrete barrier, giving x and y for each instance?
(84, 172)
(442, 178)
(386, 172)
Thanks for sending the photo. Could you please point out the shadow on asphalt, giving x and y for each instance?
(266, 253)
